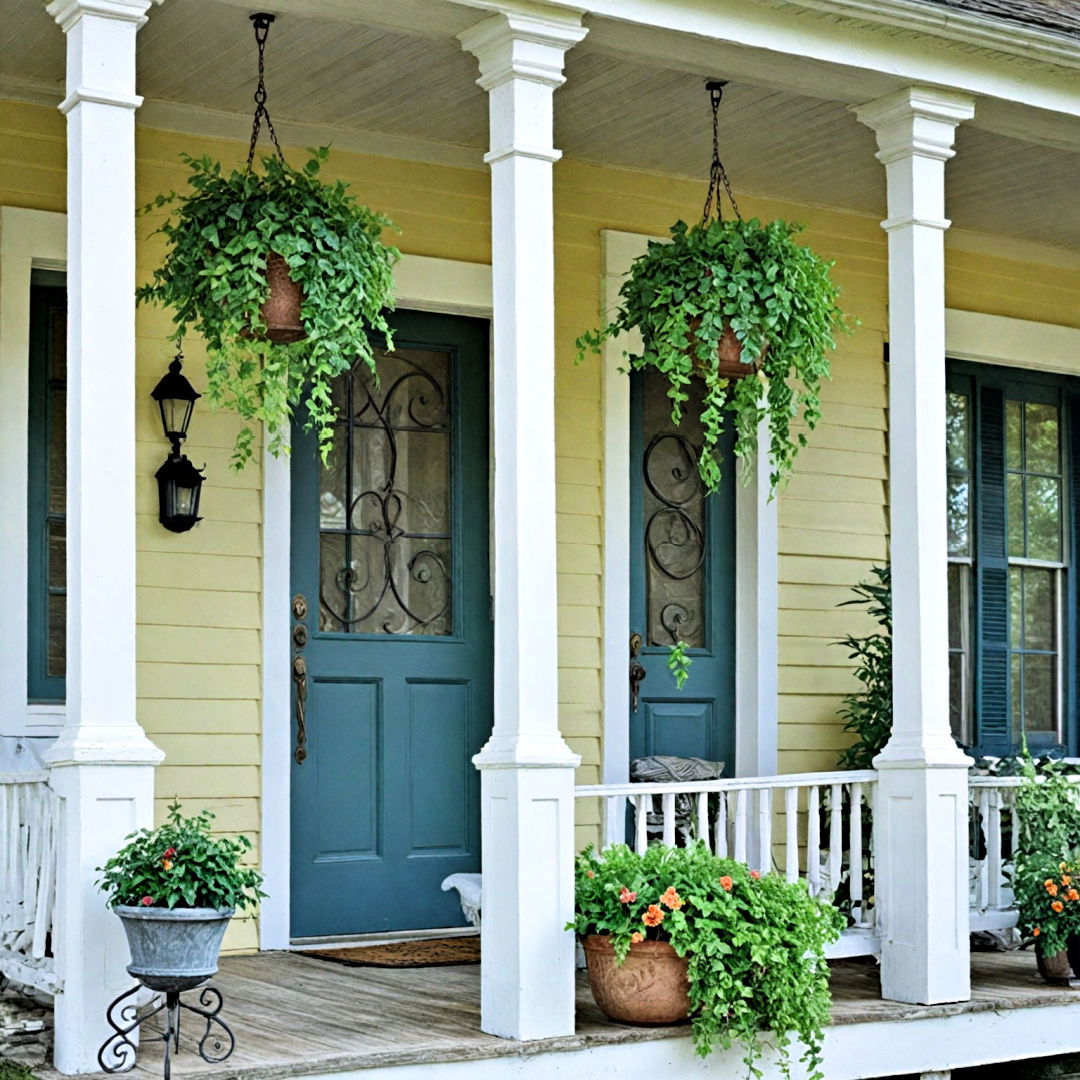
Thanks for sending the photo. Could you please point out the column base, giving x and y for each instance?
(920, 845)
(527, 974)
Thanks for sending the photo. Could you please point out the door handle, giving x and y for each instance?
(637, 670)
(299, 668)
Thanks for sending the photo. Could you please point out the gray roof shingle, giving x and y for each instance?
(1057, 16)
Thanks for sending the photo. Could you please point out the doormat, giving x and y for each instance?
(434, 952)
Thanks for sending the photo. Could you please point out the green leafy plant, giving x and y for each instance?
(1046, 872)
(181, 864)
(679, 662)
(778, 298)
(868, 713)
(214, 277)
(755, 943)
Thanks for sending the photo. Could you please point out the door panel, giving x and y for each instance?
(390, 550)
(682, 585)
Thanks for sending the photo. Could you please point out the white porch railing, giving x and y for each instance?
(803, 825)
(28, 855)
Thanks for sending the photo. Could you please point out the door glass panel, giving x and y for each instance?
(675, 526)
(386, 551)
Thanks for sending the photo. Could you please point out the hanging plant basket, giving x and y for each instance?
(285, 276)
(730, 363)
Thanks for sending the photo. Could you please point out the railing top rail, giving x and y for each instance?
(738, 783)
(1007, 781)
(37, 777)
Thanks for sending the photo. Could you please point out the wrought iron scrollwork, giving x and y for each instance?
(383, 585)
(119, 1052)
(675, 540)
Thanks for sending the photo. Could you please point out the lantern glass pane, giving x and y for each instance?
(176, 415)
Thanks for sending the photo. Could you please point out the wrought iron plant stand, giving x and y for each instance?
(118, 1053)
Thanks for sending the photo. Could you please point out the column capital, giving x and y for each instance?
(68, 12)
(916, 121)
(510, 46)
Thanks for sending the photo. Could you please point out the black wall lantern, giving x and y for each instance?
(179, 482)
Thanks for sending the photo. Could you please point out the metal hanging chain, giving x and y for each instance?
(718, 177)
(261, 22)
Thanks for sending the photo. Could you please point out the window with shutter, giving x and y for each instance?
(1012, 477)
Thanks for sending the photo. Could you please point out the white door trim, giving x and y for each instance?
(756, 562)
(29, 240)
(422, 283)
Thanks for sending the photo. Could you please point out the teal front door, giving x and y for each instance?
(392, 629)
(682, 584)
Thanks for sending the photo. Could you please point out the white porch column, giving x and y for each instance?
(102, 763)
(921, 813)
(527, 771)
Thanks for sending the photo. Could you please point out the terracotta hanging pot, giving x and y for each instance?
(281, 312)
(729, 354)
(1062, 968)
(649, 987)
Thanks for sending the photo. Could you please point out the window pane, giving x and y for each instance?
(1016, 515)
(1040, 712)
(958, 607)
(1041, 438)
(57, 451)
(1016, 713)
(1016, 607)
(1014, 435)
(1040, 609)
(55, 664)
(959, 543)
(957, 425)
(57, 574)
(1043, 518)
(957, 688)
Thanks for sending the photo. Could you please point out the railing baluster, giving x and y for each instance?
(993, 848)
(983, 820)
(855, 867)
(641, 822)
(667, 803)
(703, 817)
(740, 825)
(791, 828)
(836, 835)
(764, 852)
(720, 846)
(813, 840)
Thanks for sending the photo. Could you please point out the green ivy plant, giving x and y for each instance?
(214, 277)
(181, 864)
(780, 301)
(755, 942)
(868, 712)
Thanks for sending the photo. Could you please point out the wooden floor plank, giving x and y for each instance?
(295, 1015)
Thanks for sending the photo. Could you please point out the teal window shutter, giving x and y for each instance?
(992, 577)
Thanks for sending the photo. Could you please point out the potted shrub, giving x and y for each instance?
(174, 889)
(730, 298)
(285, 276)
(677, 933)
(1046, 871)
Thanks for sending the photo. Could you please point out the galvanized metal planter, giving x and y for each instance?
(175, 949)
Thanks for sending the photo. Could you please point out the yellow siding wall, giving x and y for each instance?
(199, 650)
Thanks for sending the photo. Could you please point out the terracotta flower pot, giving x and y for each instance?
(729, 351)
(281, 312)
(1063, 968)
(649, 987)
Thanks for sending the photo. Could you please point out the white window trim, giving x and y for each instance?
(756, 588)
(29, 240)
(1021, 343)
(422, 283)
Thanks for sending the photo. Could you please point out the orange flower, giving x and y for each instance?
(1057, 905)
(167, 863)
(672, 899)
(1052, 889)
(1036, 932)
(726, 883)
(1048, 882)
(626, 896)
(654, 916)
(589, 874)
(755, 874)
(636, 936)
(1062, 866)
(1065, 879)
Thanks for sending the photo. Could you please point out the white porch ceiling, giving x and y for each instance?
(419, 85)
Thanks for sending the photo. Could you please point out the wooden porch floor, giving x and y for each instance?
(295, 1016)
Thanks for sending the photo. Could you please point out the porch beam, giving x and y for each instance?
(921, 814)
(527, 770)
(102, 764)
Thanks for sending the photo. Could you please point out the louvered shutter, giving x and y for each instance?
(992, 578)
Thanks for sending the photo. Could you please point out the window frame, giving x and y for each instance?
(969, 378)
